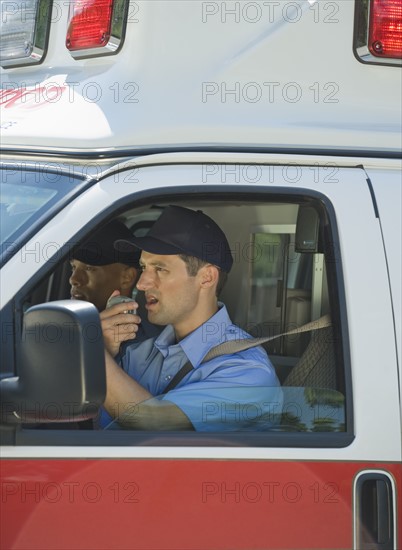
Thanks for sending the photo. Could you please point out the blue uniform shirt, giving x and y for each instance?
(229, 392)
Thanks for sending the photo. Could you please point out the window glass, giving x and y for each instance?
(26, 200)
(282, 289)
(286, 409)
(18, 204)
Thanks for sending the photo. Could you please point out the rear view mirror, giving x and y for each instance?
(61, 366)
(307, 237)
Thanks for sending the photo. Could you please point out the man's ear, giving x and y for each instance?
(209, 276)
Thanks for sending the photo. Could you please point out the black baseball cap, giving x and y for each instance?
(180, 230)
(99, 248)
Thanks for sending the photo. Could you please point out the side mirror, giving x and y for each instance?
(61, 366)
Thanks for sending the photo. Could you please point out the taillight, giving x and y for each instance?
(378, 31)
(24, 31)
(95, 27)
(385, 28)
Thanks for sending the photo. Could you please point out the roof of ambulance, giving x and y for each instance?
(183, 79)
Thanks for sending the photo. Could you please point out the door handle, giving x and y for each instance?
(374, 512)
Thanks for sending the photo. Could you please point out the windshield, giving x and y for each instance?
(27, 199)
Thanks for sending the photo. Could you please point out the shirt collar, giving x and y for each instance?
(197, 344)
(165, 339)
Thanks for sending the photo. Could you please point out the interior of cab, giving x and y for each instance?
(282, 278)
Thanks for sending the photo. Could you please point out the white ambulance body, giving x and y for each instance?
(282, 121)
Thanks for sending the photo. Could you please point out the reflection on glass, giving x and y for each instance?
(18, 204)
(289, 409)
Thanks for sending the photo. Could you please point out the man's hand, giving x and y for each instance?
(118, 325)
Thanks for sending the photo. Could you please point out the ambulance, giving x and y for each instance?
(282, 121)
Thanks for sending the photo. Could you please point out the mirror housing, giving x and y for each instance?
(61, 366)
(308, 238)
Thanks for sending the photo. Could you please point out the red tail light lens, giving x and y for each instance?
(89, 24)
(385, 32)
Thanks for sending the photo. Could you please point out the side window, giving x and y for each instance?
(284, 289)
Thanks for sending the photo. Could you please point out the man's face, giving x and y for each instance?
(172, 296)
(95, 284)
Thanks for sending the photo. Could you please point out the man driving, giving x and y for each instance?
(184, 261)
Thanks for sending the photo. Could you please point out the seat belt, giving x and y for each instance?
(234, 346)
(178, 377)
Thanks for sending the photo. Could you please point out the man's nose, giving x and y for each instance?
(77, 277)
(146, 281)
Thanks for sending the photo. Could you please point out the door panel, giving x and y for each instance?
(180, 504)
